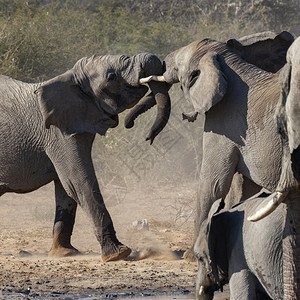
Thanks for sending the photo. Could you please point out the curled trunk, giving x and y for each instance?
(151, 65)
(143, 105)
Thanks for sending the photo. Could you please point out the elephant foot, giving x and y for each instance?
(189, 255)
(118, 252)
(61, 246)
(63, 252)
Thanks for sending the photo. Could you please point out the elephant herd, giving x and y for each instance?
(248, 90)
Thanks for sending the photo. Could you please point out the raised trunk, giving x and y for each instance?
(143, 105)
(291, 247)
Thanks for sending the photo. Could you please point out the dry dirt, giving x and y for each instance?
(154, 268)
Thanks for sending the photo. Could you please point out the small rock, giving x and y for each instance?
(140, 224)
(24, 253)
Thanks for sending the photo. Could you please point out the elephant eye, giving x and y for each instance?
(193, 77)
(111, 77)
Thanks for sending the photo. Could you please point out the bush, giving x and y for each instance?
(40, 39)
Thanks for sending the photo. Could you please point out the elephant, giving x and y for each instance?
(238, 100)
(240, 135)
(287, 190)
(47, 132)
(247, 255)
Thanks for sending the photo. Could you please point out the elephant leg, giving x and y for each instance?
(74, 167)
(63, 223)
(215, 181)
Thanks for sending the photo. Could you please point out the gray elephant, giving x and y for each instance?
(247, 255)
(287, 190)
(47, 132)
(238, 100)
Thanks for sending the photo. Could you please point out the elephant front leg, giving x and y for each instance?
(216, 175)
(111, 248)
(88, 196)
(77, 176)
(63, 223)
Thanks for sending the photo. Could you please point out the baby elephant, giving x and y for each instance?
(247, 255)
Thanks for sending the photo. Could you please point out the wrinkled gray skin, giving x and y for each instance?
(239, 102)
(47, 131)
(240, 132)
(247, 255)
(288, 116)
(288, 112)
(265, 50)
(238, 99)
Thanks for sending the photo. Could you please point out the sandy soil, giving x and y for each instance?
(155, 266)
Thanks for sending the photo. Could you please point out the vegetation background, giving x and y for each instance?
(43, 38)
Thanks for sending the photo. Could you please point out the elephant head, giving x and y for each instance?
(210, 253)
(89, 97)
(266, 50)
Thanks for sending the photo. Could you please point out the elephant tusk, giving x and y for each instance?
(270, 207)
(152, 77)
(201, 290)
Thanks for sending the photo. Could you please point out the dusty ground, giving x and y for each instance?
(155, 266)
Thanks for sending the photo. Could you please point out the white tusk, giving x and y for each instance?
(152, 77)
(270, 207)
(201, 290)
(145, 80)
(160, 78)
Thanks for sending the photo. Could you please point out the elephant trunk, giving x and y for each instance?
(204, 287)
(151, 67)
(158, 96)
(155, 81)
(162, 99)
(142, 106)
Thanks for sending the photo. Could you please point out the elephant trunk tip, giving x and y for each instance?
(151, 139)
(128, 124)
(160, 122)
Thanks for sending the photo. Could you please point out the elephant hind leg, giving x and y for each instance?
(61, 243)
(63, 224)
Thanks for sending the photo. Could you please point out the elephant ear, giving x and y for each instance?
(266, 50)
(64, 105)
(208, 85)
(217, 239)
